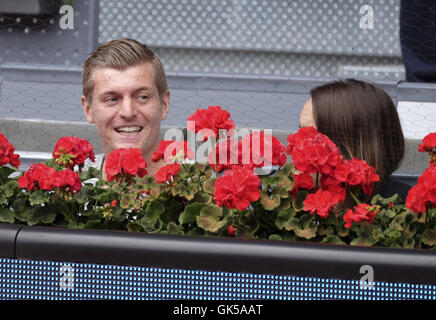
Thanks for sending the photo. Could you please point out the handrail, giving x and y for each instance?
(218, 254)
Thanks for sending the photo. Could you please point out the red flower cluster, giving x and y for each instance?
(362, 212)
(226, 155)
(71, 151)
(39, 176)
(237, 188)
(170, 149)
(423, 194)
(323, 200)
(356, 173)
(263, 149)
(166, 172)
(123, 163)
(7, 155)
(312, 151)
(213, 119)
(254, 150)
(302, 181)
(429, 145)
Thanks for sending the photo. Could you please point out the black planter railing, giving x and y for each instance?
(291, 270)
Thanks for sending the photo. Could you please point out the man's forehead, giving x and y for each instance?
(140, 75)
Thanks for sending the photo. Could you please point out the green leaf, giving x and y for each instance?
(6, 215)
(429, 237)
(127, 201)
(209, 186)
(203, 198)
(21, 210)
(38, 197)
(283, 219)
(155, 209)
(173, 228)
(275, 237)
(41, 215)
(368, 235)
(332, 239)
(306, 227)
(269, 202)
(190, 213)
(210, 223)
(209, 218)
(298, 202)
(10, 188)
(5, 172)
(211, 210)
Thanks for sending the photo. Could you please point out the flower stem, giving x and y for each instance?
(354, 197)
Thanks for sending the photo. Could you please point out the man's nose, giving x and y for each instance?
(128, 109)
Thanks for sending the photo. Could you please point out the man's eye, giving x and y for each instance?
(143, 97)
(111, 100)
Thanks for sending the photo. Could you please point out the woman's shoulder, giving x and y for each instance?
(392, 185)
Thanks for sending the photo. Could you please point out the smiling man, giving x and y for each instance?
(125, 94)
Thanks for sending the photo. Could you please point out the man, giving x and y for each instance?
(125, 94)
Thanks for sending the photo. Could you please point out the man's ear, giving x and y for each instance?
(164, 103)
(87, 109)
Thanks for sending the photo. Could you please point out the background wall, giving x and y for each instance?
(256, 58)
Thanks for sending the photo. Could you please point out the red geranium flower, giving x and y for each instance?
(357, 173)
(71, 151)
(226, 155)
(166, 172)
(259, 149)
(231, 231)
(302, 181)
(169, 149)
(125, 163)
(322, 201)
(362, 212)
(7, 155)
(213, 119)
(423, 194)
(237, 188)
(312, 151)
(39, 176)
(429, 145)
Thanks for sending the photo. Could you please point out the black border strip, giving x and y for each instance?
(224, 254)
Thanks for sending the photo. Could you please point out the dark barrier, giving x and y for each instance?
(209, 267)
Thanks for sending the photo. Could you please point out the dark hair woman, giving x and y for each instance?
(363, 122)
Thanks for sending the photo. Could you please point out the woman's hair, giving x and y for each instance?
(362, 121)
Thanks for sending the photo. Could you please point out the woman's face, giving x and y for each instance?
(306, 116)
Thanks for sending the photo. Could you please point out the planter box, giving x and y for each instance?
(46, 263)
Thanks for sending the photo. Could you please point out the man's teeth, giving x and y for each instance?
(128, 129)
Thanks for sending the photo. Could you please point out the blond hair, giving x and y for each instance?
(121, 54)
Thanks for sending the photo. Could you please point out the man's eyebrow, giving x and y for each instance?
(114, 92)
(146, 88)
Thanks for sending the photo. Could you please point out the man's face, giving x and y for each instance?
(126, 108)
